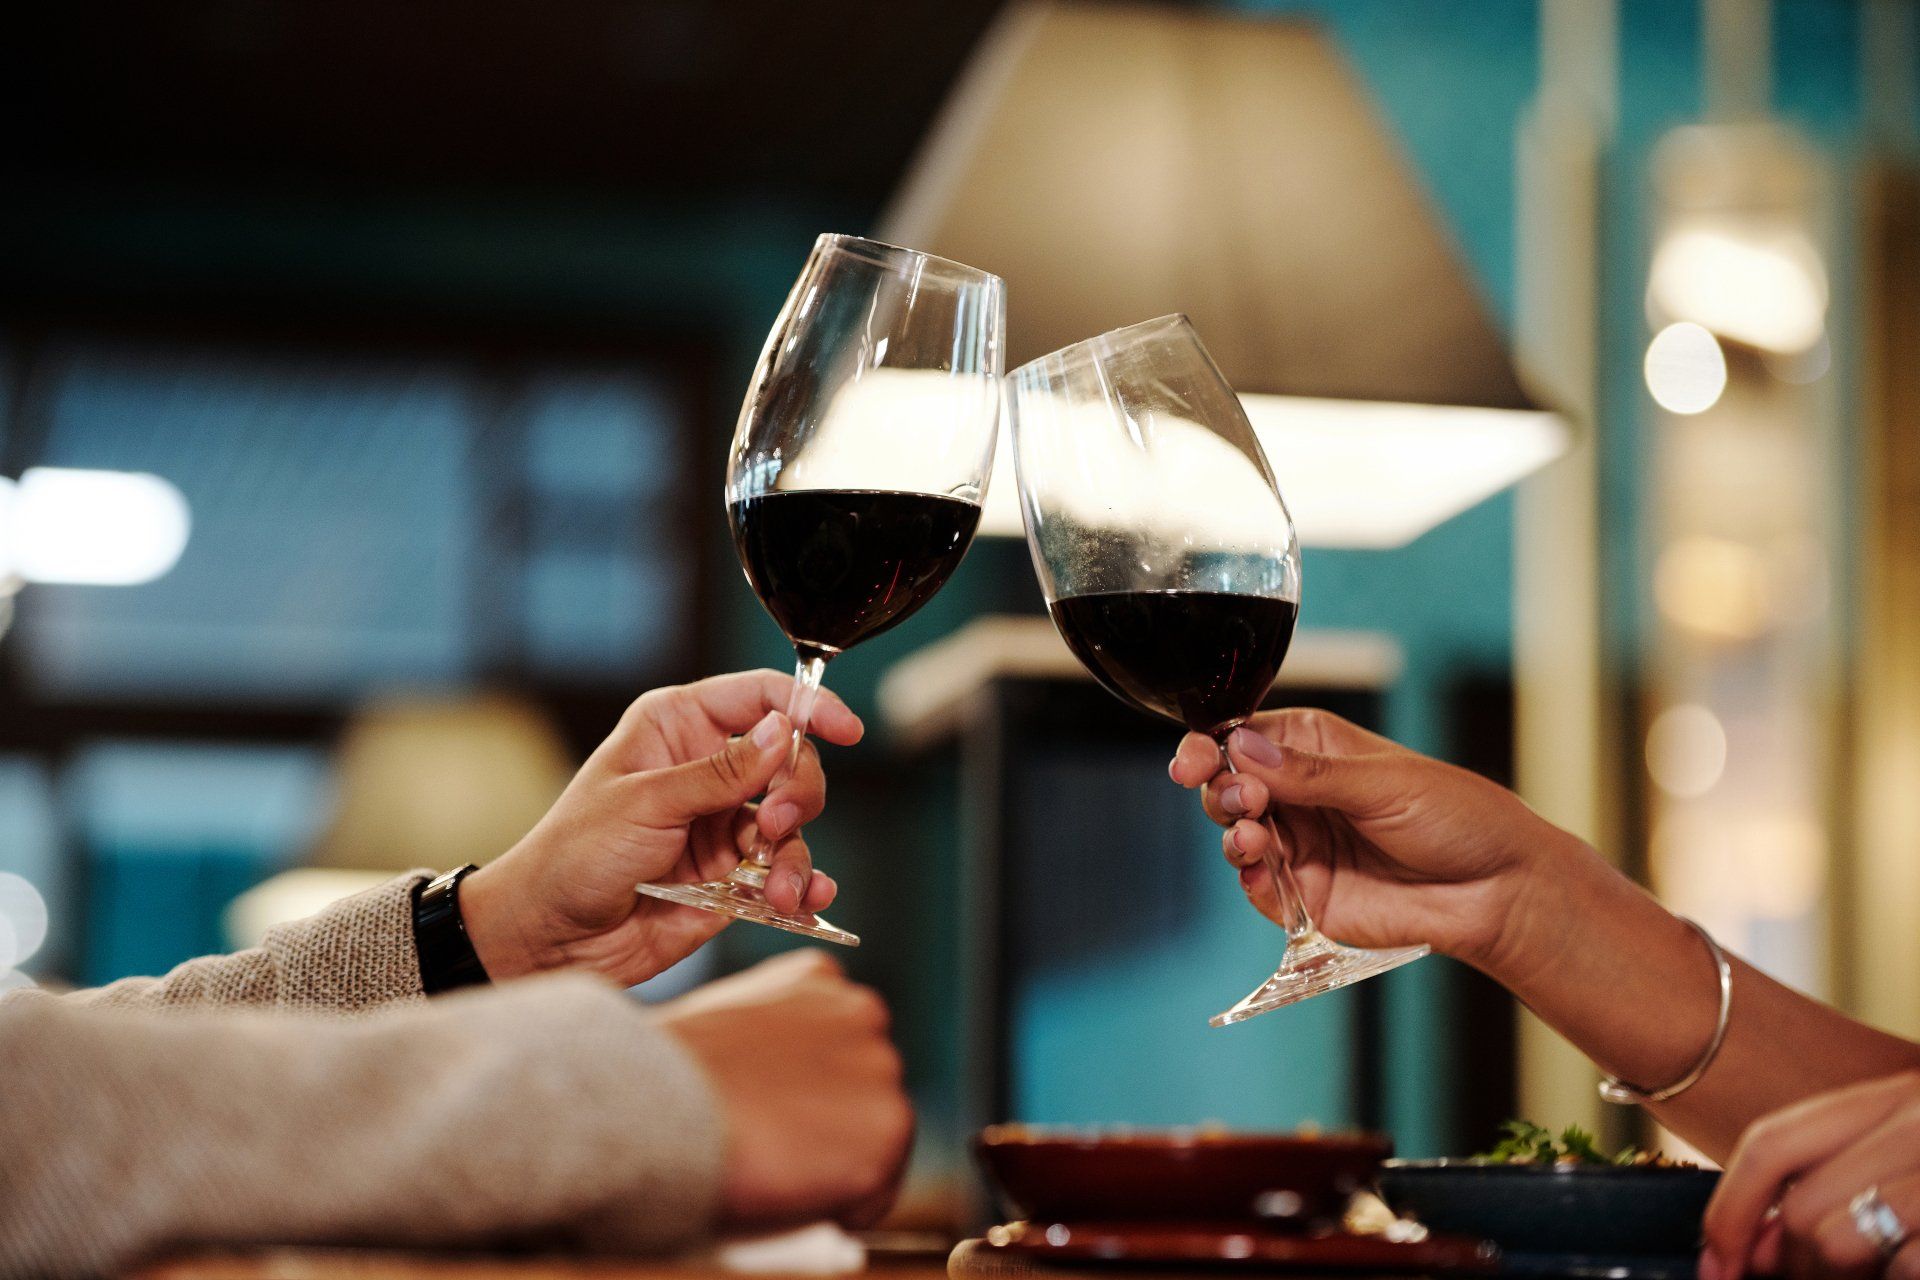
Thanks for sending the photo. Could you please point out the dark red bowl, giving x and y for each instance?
(1060, 1175)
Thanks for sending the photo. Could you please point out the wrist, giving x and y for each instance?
(493, 925)
(1580, 926)
(1542, 900)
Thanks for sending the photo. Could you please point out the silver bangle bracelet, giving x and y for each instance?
(1622, 1094)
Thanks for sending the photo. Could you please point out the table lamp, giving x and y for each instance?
(421, 781)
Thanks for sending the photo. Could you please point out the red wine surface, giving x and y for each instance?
(835, 566)
(1202, 658)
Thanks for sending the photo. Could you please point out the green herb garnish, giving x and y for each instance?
(1527, 1143)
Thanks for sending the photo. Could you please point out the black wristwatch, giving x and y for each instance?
(447, 957)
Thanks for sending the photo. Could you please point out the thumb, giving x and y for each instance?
(718, 783)
(1362, 785)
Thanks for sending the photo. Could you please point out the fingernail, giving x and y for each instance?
(780, 819)
(1255, 747)
(799, 890)
(1240, 840)
(767, 732)
(1710, 1268)
(1233, 799)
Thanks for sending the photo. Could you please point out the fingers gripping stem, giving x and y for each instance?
(1294, 917)
(1293, 906)
(807, 674)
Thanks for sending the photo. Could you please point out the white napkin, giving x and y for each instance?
(819, 1250)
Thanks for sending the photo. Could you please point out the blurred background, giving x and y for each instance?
(367, 373)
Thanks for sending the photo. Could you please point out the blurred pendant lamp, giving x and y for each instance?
(1115, 163)
(420, 781)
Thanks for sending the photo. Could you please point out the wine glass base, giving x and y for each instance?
(1315, 966)
(744, 900)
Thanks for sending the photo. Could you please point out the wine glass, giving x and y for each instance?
(858, 468)
(1170, 565)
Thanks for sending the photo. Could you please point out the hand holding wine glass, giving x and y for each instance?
(662, 799)
(1170, 566)
(1390, 847)
(858, 468)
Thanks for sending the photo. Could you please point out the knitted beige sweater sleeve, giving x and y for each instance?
(544, 1111)
(354, 956)
(230, 1103)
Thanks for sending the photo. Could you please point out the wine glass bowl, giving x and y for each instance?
(1170, 564)
(1118, 438)
(857, 472)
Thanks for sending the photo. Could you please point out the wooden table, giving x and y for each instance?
(354, 1264)
(349, 1264)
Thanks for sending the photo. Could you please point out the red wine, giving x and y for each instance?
(1203, 658)
(834, 566)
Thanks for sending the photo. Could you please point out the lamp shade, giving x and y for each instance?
(1113, 163)
(440, 782)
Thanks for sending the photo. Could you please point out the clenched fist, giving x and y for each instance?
(818, 1125)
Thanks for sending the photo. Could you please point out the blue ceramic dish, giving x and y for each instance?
(1585, 1210)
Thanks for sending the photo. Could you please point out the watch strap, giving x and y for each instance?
(447, 958)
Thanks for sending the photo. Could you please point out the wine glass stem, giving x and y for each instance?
(807, 674)
(1293, 907)
(1294, 917)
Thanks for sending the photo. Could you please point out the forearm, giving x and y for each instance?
(1634, 988)
(552, 1109)
(355, 955)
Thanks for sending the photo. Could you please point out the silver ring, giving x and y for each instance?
(1877, 1222)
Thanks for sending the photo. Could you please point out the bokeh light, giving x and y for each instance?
(1764, 286)
(1686, 370)
(98, 528)
(8, 491)
(1714, 587)
(1801, 368)
(1786, 864)
(1726, 867)
(23, 920)
(1686, 750)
